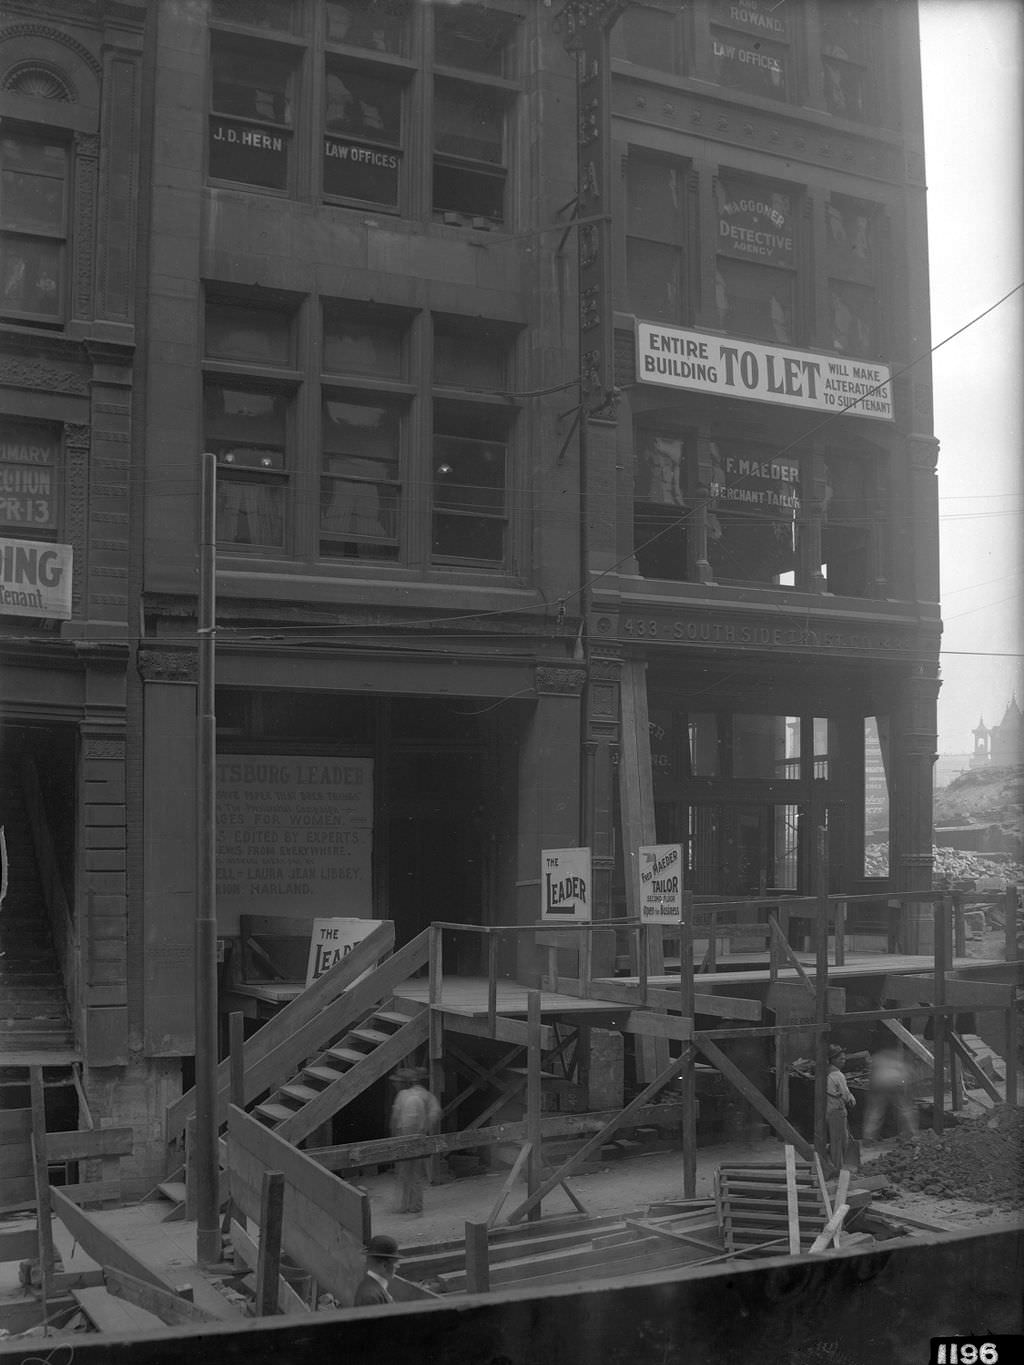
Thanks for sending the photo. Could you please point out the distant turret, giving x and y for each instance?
(982, 734)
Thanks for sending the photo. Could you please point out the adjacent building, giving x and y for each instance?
(566, 369)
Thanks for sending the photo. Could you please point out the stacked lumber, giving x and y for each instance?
(564, 1250)
(762, 1212)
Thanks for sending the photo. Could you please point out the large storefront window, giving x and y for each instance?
(755, 498)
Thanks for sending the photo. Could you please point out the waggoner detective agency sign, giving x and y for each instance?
(35, 579)
(728, 368)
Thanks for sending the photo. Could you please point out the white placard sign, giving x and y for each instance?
(565, 884)
(332, 940)
(35, 579)
(706, 363)
(661, 883)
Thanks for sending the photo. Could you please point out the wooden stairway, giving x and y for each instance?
(333, 1078)
(753, 1205)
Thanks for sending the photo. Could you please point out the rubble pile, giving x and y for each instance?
(981, 1159)
(958, 865)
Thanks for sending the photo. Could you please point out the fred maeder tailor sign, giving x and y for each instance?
(727, 368)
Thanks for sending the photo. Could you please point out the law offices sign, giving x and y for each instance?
(35, 579)
(726, 368)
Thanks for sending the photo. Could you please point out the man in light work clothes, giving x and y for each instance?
(415, 1113)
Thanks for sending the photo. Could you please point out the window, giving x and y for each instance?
(876, 796)
(360, 489)
(655, 233)
(471, 355)
(469, 150)
(850, 529)
(647, 36)
(29, 463)
(33, 227)
(248, 333)
(384, 70)
(377, 25)
(251, 114)
(246, 427)
(362, 134)
(755, 275)
(750, 47)
(845, 47)
(751, 518)
(469, 485)
(364, 339)
(852, 260)
(660, 520)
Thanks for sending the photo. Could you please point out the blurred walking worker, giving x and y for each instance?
(889, 1086)
(415, 1113)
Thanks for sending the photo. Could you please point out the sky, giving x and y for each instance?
(972, 54)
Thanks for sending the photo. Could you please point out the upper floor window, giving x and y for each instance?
(33, 227)
(661, 506)
(360, 487)
(250, 114)
(29, 471)
(752, 514)
(648, 35)
(750, 47)
(755, 268)
(386, 70)
(656, 237)
(470, 492)
(852, 258)
(845, 56)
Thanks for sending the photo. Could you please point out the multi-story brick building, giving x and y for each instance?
(456, 624)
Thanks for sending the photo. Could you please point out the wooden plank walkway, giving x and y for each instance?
(467, 996)
(856, 965)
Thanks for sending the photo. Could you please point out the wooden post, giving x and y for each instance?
(478, 1273)
(821, 995)
(1011, 1057)
(533, 1099)
(492, 980)
(42, 1184)
(792, 1203)
(1010, 925)
(190, 1168)
(688, 1069)
(236, 1045)
(641, 959)
(268, 1264)
(959, 934)
(435, 1029)
(840, 953)
(941, 921)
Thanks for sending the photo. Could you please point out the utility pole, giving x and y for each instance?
(204, 1156)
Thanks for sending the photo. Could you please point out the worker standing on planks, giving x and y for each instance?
(838, 1098)
(381, 1261)
(415, 1113)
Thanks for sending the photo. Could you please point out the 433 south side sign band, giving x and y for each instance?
(729, 368)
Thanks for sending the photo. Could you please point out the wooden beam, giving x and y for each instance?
(93, 1142)
(506, 1187)
(688, 1070)
(792, 1204)
(787, 952)
(669, 1234)
(506, 1029)
(326, 1221)
(753, 1096)
(105, 1248)
(171, 1309)
(664, 1077)
(42, 1183)
(247, 1252)
(963, 994)
(647, 1024)
(378, 1151)
(830, 1229)
(484, 1079)
(533, 1097)
(478, 1280)
(625, 993)
(268, 1264)
(970, 1063)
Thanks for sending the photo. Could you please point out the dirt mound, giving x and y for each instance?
(981, 1159)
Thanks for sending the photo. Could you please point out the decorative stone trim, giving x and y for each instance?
(168, 665)
(553, 680)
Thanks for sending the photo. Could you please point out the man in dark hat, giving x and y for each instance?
(381, 1260)
(415, 1113)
